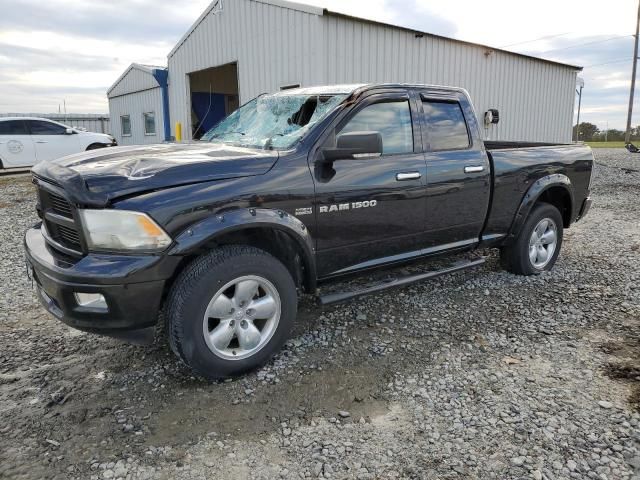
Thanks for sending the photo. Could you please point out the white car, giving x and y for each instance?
(25, 141)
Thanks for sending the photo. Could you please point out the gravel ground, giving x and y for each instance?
(481, 374)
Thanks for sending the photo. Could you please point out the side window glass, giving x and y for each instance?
(125, 125)
(391, 119)
(150, 123)
(447, 127)
(13, 127)
(46, 128)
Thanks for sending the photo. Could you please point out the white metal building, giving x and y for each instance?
(138, 106)
(239, 49)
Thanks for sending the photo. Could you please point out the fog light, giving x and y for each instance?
(91, 300)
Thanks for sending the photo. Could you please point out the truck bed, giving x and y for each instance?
(516, 166)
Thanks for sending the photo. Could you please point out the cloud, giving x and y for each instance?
(74, 49)
(122, 20)
(607, 74)
(579, 32)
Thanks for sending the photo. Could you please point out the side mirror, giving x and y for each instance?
(491, 116)
(354, 145)
(69, 131)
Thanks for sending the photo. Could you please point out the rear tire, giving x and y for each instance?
(230, 311)
(537, 246)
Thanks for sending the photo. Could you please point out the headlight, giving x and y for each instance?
(122, 230)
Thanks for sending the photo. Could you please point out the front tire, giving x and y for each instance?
(230, 311)
(537, 246)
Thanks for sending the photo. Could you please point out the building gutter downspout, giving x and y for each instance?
(162, 77)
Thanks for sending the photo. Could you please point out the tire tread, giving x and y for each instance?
(514, 258)
(185, 283)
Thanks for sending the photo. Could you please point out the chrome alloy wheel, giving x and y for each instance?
(543, 243)
(242, 317)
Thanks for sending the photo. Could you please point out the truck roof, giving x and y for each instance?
(358, 88)
(323, 90)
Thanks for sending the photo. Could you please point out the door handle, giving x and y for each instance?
(41, 141)
(401, 177)
(476, 169)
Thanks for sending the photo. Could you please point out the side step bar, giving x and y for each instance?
(398, 282)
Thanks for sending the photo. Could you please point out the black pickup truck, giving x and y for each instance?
(292, 190)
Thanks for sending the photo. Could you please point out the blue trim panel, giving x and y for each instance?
(162, 77)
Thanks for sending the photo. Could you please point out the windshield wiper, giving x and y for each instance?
(269, 142)
(218, 135)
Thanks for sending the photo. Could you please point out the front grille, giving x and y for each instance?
(60, 206)
(62, 231)
(37, 179)
(69, 237)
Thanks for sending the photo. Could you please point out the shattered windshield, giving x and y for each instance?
(273, 121)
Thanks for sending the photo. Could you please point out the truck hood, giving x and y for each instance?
(99, 176)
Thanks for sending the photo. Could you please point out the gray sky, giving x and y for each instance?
(74, 49)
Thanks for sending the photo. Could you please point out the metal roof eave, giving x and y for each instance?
(138, 66)
(328, 12)
(277, 3)
(324, 11)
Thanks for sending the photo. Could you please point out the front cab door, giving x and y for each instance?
(370, 211)
(16, 146)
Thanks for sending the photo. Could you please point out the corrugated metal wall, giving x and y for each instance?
(93, 122)
(273, 46)
(276, 46)
(135, 105)
(535, 98)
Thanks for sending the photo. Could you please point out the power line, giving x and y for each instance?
(620, 60)
(535, 40)
(585, 44)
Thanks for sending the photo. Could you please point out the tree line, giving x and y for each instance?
(591, 133)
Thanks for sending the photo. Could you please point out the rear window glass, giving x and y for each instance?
(12, 127)
(447, 127)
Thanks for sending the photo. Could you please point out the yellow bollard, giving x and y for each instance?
(178, 132)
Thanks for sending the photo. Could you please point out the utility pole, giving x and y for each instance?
(579, 92)
(627, 138)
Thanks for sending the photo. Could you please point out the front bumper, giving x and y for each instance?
(132, 286)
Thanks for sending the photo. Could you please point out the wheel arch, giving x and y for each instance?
(95, 146)
(553, 189)
(275, 231)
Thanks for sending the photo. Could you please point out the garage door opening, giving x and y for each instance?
(214, 95)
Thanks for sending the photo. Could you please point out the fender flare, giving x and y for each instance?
(204, 231)
(533, 194)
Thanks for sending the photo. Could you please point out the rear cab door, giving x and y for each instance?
(52, 141)
(458, 170)
(16, 146)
